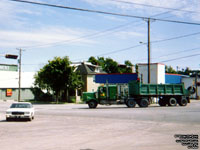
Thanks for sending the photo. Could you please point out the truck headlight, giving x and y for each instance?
(26, 112)
(8, 113)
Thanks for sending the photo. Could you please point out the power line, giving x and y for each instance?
(180, 58)
(128, 48)
(169, 54)
(160, 7)
(177, 37)
(97, 34)
(178, 52)
(82, 37)
(116, 14)
(116, 51)
(106, 13)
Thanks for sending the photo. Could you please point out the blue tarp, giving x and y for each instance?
(115, 78)
(125, 78)
(173, 78)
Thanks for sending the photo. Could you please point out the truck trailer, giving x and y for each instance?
(140, 94)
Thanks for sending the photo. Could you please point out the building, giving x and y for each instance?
(157, 75)
(88, 72)
(9, 83)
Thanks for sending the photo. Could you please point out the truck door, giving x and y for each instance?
(102, 93)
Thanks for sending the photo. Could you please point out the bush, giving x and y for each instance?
(39, 95)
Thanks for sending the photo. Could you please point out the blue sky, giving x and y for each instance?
(46, 32)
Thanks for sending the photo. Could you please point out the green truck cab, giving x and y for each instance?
(103, 95)
(140, 94)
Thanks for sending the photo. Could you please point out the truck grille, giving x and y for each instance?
(17, 113)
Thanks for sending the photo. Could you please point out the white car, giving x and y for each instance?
(20, 110)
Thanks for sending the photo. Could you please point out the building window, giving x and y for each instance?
(94, 78)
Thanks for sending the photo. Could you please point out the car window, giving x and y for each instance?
(21, 106)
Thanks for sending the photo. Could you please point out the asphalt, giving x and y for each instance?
(115, 127)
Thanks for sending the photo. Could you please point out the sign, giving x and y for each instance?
(4, 67)
(8, 92)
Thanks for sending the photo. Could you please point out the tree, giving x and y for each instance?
(110, 66)
(93, 60)
(169, 69)
(187, 71)
(58, 76)
(129, 66)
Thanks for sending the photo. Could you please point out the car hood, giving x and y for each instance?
(19, 109)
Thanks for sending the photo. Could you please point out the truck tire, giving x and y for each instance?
(92, 104)
(191, 89)
(144, 103)
(183, 102)
(162, 102)
(8, 119)
(130, 103)
(172, 101)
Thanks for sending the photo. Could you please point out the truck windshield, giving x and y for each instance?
(20, 106)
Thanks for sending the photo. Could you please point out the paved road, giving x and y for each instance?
(75, 127)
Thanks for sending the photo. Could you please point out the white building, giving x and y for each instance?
(9, 83)
(157, 75)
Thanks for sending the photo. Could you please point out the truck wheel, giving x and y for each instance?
(92, 104)
(162, 102)
(144, 103)
(183, 102)
(8, 119)
(130, 103)
(172, 101)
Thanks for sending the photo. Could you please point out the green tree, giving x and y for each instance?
(110, 66)
(58, 76)
(93, 60)
(187, 71)
(129, 66)
(169, 69)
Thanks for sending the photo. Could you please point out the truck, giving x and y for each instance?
(140, 94)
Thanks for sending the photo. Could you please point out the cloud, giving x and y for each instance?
(47, 36)
(128, 34)
(19, 15)
(126, 6)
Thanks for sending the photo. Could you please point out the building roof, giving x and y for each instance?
(86, 69)
(151, 64)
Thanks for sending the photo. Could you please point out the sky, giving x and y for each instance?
(47, 32)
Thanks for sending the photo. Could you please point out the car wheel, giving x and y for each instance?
(30, 119)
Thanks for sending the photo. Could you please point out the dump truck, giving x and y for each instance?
(140, 94)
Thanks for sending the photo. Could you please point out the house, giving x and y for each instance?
(88, 72)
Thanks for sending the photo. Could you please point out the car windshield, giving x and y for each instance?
(20, 106)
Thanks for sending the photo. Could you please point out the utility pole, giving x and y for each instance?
(20, 64)
(196, 81)
(149, 52)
